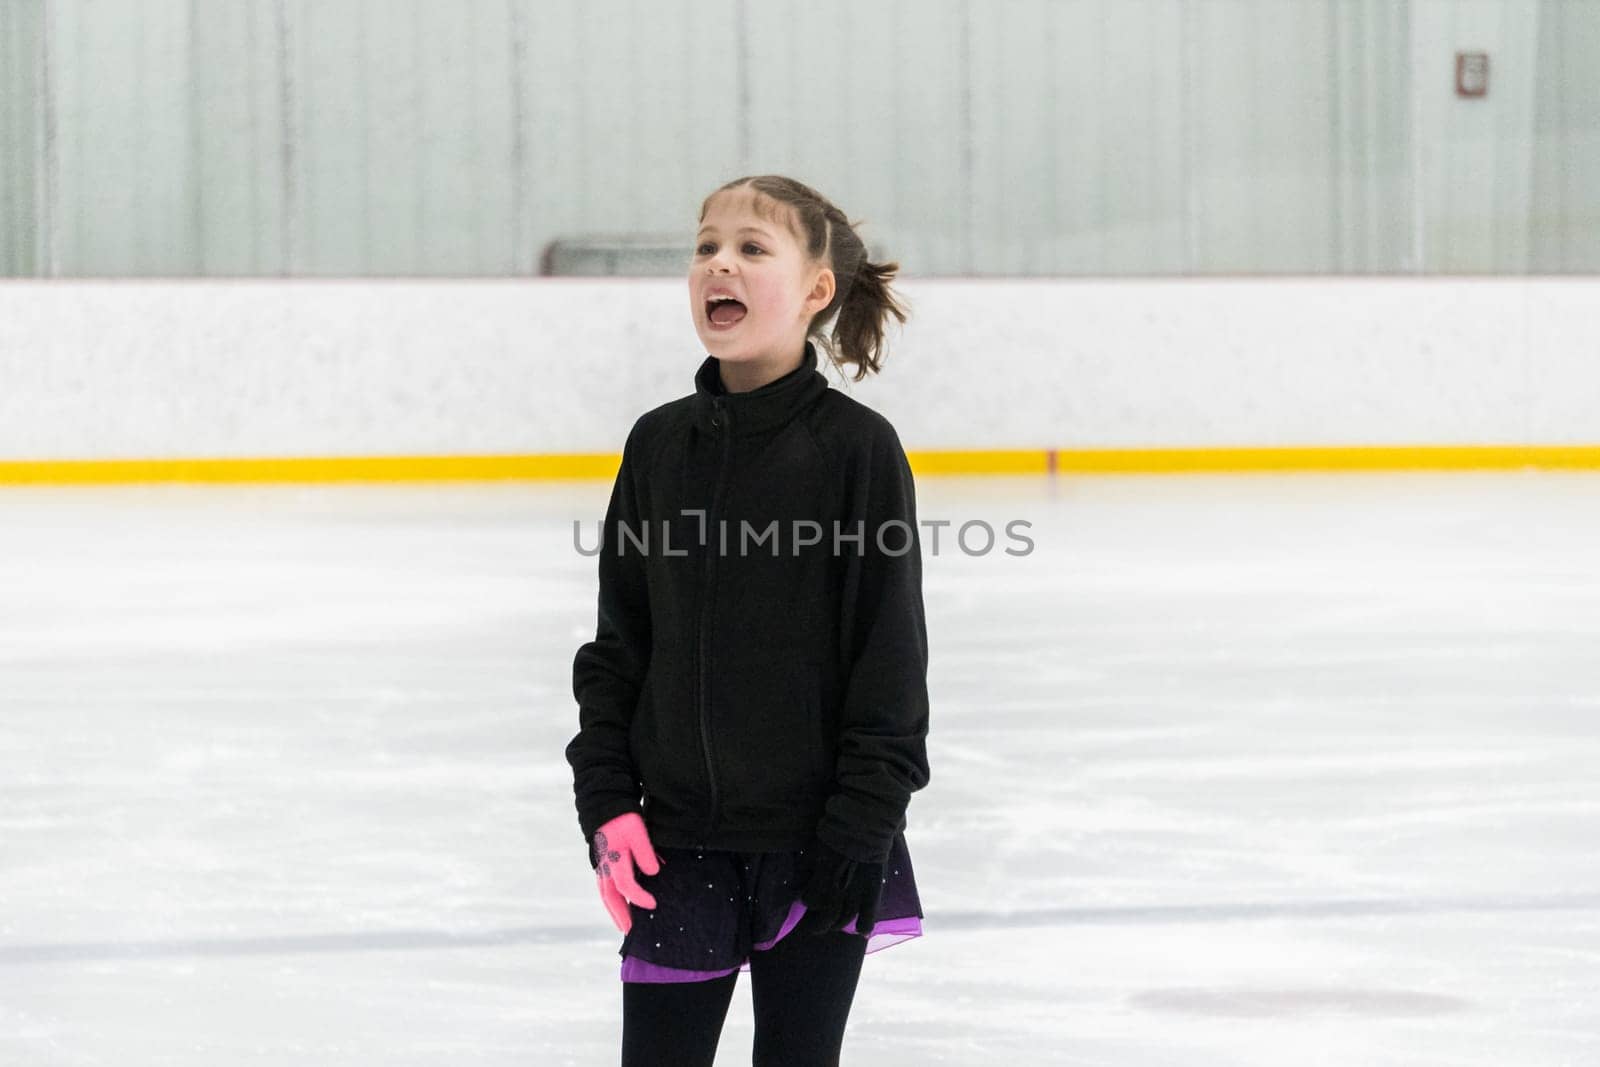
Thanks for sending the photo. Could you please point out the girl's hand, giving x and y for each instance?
(838, 892)
(618, 846)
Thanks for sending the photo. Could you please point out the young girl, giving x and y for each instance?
(753, 708)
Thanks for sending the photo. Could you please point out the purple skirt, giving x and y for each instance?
(713, 908)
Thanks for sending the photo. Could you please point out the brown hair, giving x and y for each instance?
(861, 295)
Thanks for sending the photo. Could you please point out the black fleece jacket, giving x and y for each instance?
(758, 677)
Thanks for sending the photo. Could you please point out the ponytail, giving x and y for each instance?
(864, 301)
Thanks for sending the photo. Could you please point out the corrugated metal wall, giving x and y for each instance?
(1564, 218)
(21, 24)
(401, 137)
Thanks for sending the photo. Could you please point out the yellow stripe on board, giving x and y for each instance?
(1343, 458)
(980, 461)
(311, 469)
(964, 461)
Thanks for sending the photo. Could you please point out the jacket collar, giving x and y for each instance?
(760, 409)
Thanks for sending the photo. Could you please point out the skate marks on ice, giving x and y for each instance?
(964, 921)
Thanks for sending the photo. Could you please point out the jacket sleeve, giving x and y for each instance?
(882, 754)
(608, 671)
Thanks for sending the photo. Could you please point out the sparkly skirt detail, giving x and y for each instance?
(713, 908)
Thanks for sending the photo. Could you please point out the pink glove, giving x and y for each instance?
(620, 844)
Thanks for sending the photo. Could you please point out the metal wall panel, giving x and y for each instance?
(125, 196)
(401, 134)
(400, 137)
(1370, 128)
(865, 102)
(238, 150)
(1476, 155)
(21, 133)
(1564, 222)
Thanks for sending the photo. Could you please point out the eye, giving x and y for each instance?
(705, 248)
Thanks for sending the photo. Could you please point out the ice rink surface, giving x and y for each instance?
(1230, 770)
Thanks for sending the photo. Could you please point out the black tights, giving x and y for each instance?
(800, 990)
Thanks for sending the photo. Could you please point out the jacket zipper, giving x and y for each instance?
(719, 424)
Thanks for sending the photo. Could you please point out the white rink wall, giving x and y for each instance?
(265, 368)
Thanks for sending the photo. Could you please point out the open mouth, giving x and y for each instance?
(724, 311)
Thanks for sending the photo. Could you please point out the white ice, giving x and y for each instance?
(1231, 770)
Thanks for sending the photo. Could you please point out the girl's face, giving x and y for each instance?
(759, 263)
